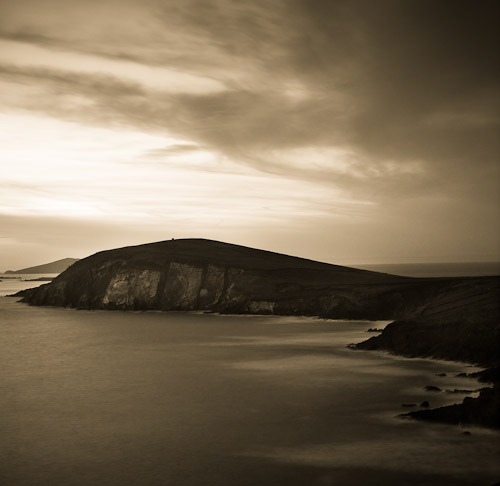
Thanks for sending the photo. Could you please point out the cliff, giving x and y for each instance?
(195, 274)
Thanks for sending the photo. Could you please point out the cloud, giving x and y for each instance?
(153, 77)
(340, 77)
(176, 149)
(364, 104)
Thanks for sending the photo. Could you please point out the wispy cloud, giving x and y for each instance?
(164, 79)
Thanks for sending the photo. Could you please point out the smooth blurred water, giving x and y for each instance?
(13, 283)
(114, 398)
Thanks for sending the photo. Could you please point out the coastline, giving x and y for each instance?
(456, 319)
(482, 411)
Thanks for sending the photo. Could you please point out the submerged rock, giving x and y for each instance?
(483, 411)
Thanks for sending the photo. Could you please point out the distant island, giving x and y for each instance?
(447, 318)
(53, 267)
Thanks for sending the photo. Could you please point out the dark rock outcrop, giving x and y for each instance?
(483, 411)
(461, 322)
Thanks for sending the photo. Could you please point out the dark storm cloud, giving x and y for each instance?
(398, 81)
(421, 60)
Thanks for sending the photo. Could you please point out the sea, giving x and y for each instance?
(429, 270)
(191, 399)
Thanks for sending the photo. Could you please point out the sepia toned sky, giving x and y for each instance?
(348, 131)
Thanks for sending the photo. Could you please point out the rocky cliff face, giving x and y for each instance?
(183, 286)
(214, 276)
(207, 275)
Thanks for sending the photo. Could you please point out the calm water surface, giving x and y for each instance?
(114, 398)
(464, 269)
(10, 284)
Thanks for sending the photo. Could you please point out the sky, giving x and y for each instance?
(351, 131)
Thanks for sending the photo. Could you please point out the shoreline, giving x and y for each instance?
(482, 411)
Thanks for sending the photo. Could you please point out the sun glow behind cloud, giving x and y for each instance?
(55, 168)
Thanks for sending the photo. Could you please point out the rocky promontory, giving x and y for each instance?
(447, 318)
(196, 274)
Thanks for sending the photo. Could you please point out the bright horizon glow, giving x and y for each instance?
(71, 171)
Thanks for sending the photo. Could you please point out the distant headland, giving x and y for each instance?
(52, 267)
